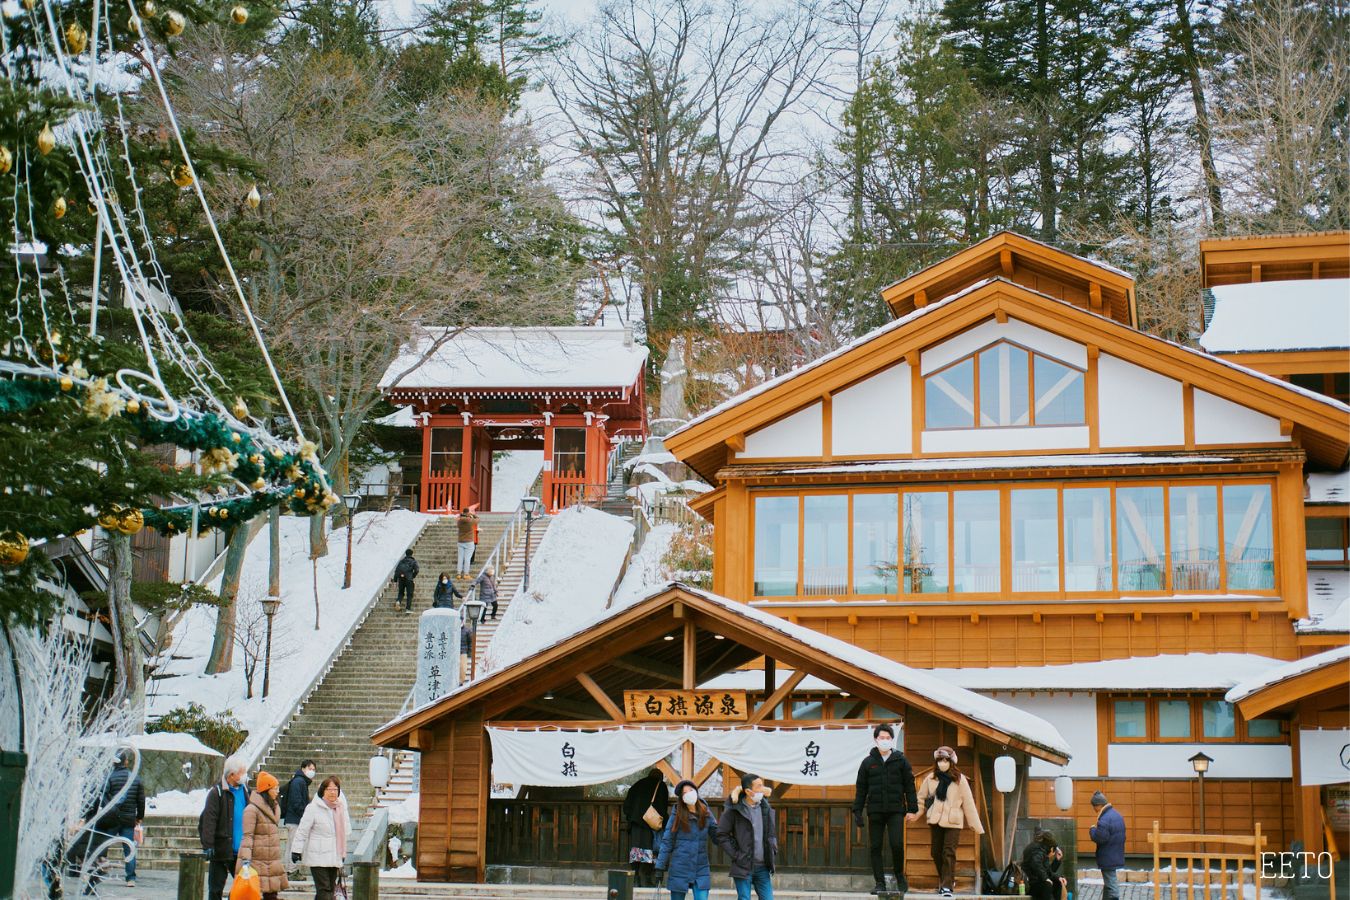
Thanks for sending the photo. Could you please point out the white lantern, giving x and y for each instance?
(1005, 773)
(1064, 792)
(379, 771)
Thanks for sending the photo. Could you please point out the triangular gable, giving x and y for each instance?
(1293, 681)
(864, 674)
(1322, 423)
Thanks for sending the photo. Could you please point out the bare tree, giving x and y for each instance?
(250, 634)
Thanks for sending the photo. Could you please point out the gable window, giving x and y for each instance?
(1004, 386)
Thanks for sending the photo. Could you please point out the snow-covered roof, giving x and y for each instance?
(1328, 603)
(161, 741)
(1329, 487)
(1002, 717)
(521, 358)
(399, 418)
(1011, 462)
(1311, 314)
(1337, 656)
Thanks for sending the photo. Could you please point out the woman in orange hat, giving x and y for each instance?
(261, 847)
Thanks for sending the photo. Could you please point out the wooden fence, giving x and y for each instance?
(1208, 850)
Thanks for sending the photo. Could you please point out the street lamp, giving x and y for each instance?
(269, 606)
(1200, 762)
(349, 502)
(13, 766)
(531, 505)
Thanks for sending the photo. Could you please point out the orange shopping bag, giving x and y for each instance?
(246, 885)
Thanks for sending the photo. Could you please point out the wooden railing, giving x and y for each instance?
(1183, 851)
(442, 493)
(569, 493)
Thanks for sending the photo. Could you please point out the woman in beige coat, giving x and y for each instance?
(946, 794)
(261, 846)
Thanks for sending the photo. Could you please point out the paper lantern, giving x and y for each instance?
(1005, 773)
(1064, 792)
(379, 771)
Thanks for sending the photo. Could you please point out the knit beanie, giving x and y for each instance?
(945, 752)
(265, 782)
(1098, 799)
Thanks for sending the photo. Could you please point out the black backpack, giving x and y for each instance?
(1003, 881)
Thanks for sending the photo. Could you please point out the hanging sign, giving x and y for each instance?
(1324, 756)
(820, 756)
(685, 706)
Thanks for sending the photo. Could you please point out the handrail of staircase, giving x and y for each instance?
(370, 848)
(338, 649)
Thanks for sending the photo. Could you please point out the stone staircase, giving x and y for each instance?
(617, 502)
(508, 582)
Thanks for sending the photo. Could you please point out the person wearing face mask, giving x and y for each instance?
(748, 832)
(951, 808)
(321, 839)
(885, 788)
(294, 799)
(683, 846)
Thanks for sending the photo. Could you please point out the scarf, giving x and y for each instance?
(944, 780)
(339, 827)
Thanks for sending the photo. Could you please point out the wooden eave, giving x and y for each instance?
(999, 255)
(1322, 427)
(1279, 257)
(1291, 362)
(703, 503)
(1334, 676)
(649, 621)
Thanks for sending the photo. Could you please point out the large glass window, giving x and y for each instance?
(875, 531)
(1131, 719)
(1328, 541)
(1005, 389)
(1248, 539)
(1219, 719)
(1035, 539)
(976, 546)
(1174, 718)
(1139, 526)
(775, 546)
(569, 453)
(1059, 394)
(949, 397)
(447, 445)
(1195, 537)
(1087, 539)
(825, 544)
(925, 534)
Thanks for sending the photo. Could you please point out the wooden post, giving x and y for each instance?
(770, 676)
(466, 468)
(426, 467)
(688, 683)
(546, 485)
(191, 876)
(366, 881)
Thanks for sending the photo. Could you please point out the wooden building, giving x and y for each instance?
(571, 392)
(1012, 484)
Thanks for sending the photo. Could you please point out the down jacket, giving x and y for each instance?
(1109, 835)
(316, 838)
(885, 785)
(736, 834)
(957, 811)
(262, 844)
(684, 854)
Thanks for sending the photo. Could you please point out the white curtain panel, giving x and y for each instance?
(791, 755)
(1324, 756)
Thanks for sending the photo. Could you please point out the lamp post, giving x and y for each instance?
(349, 502)
(269, 606)
(1200, 762)
(13, 767)
(531, 505)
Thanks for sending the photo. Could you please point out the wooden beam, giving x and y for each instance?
(705, 773)
(711, 667)
(920, 298)
(776, 698)
(1005, 262)
(689, 681)
(671, 775)
(1001, 316)
(737, 443)
(770, 675)
(650, 668)
(687, 760)
(601, 697)
(1095, 296)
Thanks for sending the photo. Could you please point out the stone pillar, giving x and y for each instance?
(437, 663)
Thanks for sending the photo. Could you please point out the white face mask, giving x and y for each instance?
(885, 744)
(309, 773)
(691, 797)
(944, 764)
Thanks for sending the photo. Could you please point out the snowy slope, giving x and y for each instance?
(512, 474)
(299, 652)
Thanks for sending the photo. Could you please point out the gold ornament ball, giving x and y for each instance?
(108, 520)
(235, 437)
(299, 492)
(131, 521)
(59, 207)
(6, 160)
(133, 406)
(174, 23)
(278, 453)
(13, 548)
(224, 513)
(239, 15)
(134, 25)
(148, 9)
(46, 139)
(76, 38)
(67, 382)
(182, 175)
(259, 484)
(253, 198)
(213, 512)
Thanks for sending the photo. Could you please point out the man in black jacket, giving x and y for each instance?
(404, 573)
(294, 799)
(886, 788)
(128, 812)
(221, 826)
(748, 831)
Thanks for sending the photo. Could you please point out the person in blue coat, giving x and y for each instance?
(1109, 834)
(683, 853)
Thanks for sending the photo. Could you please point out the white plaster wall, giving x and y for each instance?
(873, 416)
(1173, 760)
(1220, 421)
(1136, 407)
(1038, 339)
(1075, 715)
(799, 434)
(1058, 437)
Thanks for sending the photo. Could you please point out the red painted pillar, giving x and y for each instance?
(546, 487)
(424, 500)
(466, 468)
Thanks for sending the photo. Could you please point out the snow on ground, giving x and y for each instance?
(299, 652)
(163, 742)
(512, 474)
(571, 578)
(404, 871)
(406, 811)
(645, 571)
(176, 803)
(655, 458)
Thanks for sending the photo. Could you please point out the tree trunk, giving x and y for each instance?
(1186, 35)
(1045, 161)
(274, 552)
(314, 572)
(127, 655)
(318, 538)
(222, 645)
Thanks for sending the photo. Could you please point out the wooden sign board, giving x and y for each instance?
(685, 706)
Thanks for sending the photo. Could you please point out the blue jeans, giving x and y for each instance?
(698, 894)
(128, 849)
(760, 879)
(1110, 884)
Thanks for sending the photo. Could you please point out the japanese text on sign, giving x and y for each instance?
(685, 706)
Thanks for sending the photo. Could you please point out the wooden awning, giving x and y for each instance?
(1287, 684)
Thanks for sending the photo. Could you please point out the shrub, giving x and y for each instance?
(689, 558)
(222, 731)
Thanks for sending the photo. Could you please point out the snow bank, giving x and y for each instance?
(299, 652)
(404, 871)
(512, 474)
(405, 811)
(571, 578)
(176, 803)
(645, 571)
(163, 742)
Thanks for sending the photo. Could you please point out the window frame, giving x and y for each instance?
(1197, 701)
(974, 358)
(1341, 563)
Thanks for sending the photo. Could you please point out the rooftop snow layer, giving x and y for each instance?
(1010, 462)
(1329, 487)
(476, 358)
(1309, 314)
(1328, 603)
(1337, 656)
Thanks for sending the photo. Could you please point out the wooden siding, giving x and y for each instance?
(452, 821)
